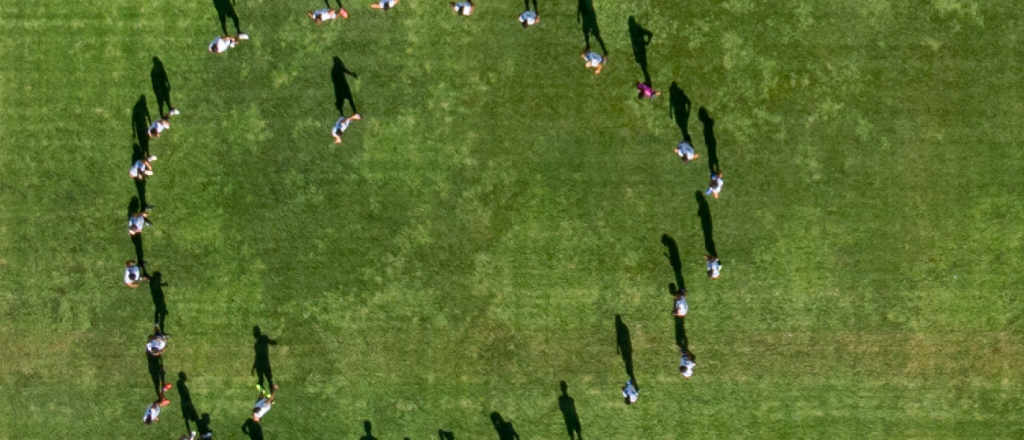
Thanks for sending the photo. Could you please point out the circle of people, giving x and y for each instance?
(142, 168)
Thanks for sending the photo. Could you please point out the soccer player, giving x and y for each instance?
(157, 343)
(714, 266)
(137, 221)
(222, 44)
(263, 403)
(342, 125)
(142, 168)
(715, 186)
(594, 61)
(384, 4)
(162, 124)
(686, 364)
(685, 151)
(153, 411)
(529, 18)
(681, 307)
(325, 14)
(630, 392)
(645, 90)
(463, 8)
(133, 273)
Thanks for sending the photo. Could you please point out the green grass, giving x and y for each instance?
(469, 244)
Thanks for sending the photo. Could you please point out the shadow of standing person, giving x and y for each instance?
(624, 345)
(679, 109)
(672, 253)
(188, 410)
(342, 90)
(706, 224)
(709, 139)
(203, 426)
(368, 427)
(161, 85)
(155, 364)
(156, 291)
(252, 429)
(587, 16)
(567, 405)
(225, 9)
(504, 428)
(639, 38)
(261, 361)
(526, 6)
(140, 124)
(445, 435)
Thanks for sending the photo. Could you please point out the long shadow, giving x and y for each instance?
(156, 373)
(567, 405)
(639, 39)
(586, 15)
(261, 361)
(672, 253)
(624, 345)
(503, 427)
(140, 124)
(161, 85)
(709, 139)
(203, 426)
(679, 109)
(342, 90)
(226, 9)
(188, 410)
(527, 6)
(706, 224)
(252, 429)
(445, 435)
(368, 427)
(156, 291)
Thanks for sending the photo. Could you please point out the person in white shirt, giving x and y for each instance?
(685, 151)
(133, 273)
(137, 221)
(463, 8)
(630, 392)
(342, 125)
(714, 266)
(157, 343)
(153, 411)
(686, 364)
(326, 14)
(681, 307)
(715, 186)
(384, 4)
(594, 61)
(529, 18)
(263, 404)
(162, 124)
(142, 168)
(222, 44)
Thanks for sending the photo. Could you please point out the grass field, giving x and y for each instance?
(469, 244)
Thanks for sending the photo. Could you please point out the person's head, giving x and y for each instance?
(683, 369)
(628, 402)
(255, 415)
(133, 229)
(525, 24)
(149, 419)
(129, 263)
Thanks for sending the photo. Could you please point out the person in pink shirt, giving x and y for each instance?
(646, 91)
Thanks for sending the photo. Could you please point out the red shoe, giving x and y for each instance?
(164, 402)
(343, 13)
(167, 387)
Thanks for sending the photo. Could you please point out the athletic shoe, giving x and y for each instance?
(243, 36)
(343, 13)
(164, 402)
(174, 112)
(167, 387)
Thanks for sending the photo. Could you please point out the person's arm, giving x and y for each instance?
(271, 341)
(648, 36)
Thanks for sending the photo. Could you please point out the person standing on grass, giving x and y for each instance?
(142, 168)
(222, 44)
(645, 91)
(463, 8)
(326, 14)
(263, 404)
(715, 186)
(630, 392)
(686, 363)
(680, 308)
(529, 18)
(594, 61)
(153, 411)
(686, 152)
(133, 273)
(384, 4)
(161, 124)
(157, 343)
(137, 221)
(342, 125)
(714, 266)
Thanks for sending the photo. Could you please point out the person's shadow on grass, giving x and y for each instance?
(261, 360)
(156, 373)
(445, 435)
(706, 224)
(203, 426)
(252, 429)
(188, 410)
(503, 427)
(672, 253)
(161, 85)
(639, 38)
(156, 292)
(342, 90)
(709, 140)
(679, 109)
(567, 405)
(140, 124)
(226, 9)
(526, 6)
(587, 17)
(368, 427)
(624, 345)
